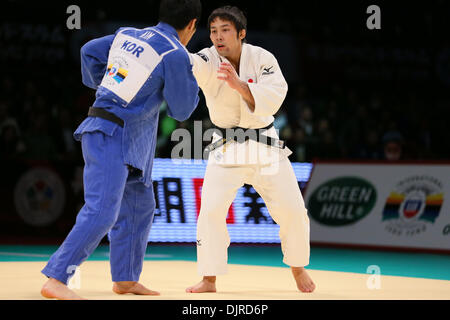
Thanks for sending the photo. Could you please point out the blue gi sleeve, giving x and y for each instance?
(180, 87)
(94, 57)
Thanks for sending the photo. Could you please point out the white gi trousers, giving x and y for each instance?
(284, 201)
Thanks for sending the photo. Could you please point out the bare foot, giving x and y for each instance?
(54, 289)
(303, 280)
(123, 287)
(208, 284)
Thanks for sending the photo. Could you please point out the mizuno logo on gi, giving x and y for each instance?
(132, 47)
(267, 71)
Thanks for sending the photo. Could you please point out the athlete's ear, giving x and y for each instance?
(193, 24)
(242, 34)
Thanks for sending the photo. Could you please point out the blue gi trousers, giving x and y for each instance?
(115, 202)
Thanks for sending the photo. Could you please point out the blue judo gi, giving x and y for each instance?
(134, 71)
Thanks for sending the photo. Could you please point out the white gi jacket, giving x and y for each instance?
(260, 70)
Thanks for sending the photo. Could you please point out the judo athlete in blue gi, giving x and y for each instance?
(134, 71)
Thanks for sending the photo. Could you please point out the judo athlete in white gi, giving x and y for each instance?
(134, 71)
(244, 87)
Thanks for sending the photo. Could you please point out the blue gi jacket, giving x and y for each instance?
(134, 71)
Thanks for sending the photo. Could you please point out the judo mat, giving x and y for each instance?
(255, 273)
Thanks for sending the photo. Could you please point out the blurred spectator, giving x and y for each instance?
(370, 146)
(298, 144)
(393, 146)
(306, 121)
(40, 145)
(64, 128)
(11, 144)
(327, 147)
(281, 120)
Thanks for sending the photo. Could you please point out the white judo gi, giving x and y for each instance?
(231, 166)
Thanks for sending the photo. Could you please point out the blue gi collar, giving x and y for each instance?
(168, 29)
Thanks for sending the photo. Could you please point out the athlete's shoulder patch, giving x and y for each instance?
(203, 56)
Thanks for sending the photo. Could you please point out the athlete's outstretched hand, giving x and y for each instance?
(229, 74)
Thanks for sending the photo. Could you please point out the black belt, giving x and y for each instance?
(102, 113)
(242, 138)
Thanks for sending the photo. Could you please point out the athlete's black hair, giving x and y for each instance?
(232, 14)
(178, 13)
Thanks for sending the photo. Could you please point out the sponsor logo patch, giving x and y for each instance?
(342, 201)
(116, 72)
(414, 204)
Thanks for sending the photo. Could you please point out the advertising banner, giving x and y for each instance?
(178, 196)
(381, 205)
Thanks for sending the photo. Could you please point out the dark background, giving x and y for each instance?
(351, 90)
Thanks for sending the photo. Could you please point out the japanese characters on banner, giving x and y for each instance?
(384, 205)
(178, 188)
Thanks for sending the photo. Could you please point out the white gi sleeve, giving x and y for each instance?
(202, 67)
(270, 89)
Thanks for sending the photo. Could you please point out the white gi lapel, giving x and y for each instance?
(247, 65)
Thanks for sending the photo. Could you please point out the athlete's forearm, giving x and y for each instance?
(246, 94)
